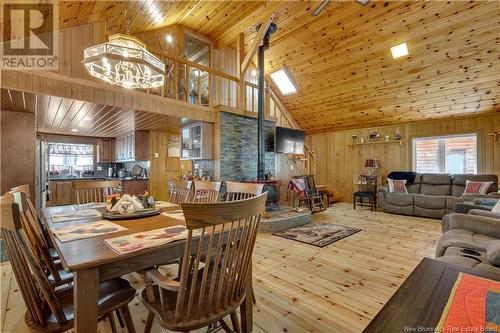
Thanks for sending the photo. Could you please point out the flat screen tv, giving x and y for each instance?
(289, 141)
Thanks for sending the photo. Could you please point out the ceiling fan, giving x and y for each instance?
(325, 3)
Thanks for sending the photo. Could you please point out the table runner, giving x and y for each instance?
(473, 306)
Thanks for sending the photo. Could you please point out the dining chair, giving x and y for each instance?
(202, 297)
(50, 309)
(36, 240)
(241, 191)
(94, 191)
(179, 190)
(206, 191)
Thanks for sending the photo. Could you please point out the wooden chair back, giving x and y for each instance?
(241, 191)
(33, 283)
(179, 190)
(34, 230)
(94, 191)
(206, 191)
(222, 235)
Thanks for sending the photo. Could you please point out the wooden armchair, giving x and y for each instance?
(241, 191)
(206, 191)
(179, 190)
(48, 309)
(39, 242)
(223, 235)
(94, 191)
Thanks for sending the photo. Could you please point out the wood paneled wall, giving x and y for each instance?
(17, 166)
(163, 168)
(337, 163)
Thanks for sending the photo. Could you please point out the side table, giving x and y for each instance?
(365, 199)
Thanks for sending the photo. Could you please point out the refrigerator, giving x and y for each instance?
(41, 180)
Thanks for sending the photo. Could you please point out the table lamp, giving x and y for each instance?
(371, 165)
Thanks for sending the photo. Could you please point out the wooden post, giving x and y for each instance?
(241, 104)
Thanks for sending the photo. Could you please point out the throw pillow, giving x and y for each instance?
(472, 187)
(397, 185)
(496, 208)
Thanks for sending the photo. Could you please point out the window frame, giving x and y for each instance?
(441, 147)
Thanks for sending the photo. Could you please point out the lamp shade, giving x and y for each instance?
(370, 163)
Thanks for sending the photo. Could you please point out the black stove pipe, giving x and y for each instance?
(260, 106)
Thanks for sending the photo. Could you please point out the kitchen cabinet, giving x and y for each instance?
(61, 193)
(197, 141)
(105, 150)
(133, 146)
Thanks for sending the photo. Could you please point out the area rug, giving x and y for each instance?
(318, 234)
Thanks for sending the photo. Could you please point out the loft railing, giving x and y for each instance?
(210, 87)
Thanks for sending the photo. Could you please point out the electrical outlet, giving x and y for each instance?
(99, 168)
(291, 167)
(157, 155)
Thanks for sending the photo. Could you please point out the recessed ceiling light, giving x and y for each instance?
(399, 50)
(284, 82)
(169, 38)
(87, 118)
(74, 130)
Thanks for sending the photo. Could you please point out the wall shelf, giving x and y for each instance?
(352, 145)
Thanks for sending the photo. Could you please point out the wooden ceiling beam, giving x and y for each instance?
(257, 42)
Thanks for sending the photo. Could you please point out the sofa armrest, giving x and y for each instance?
(485, 213)
(493, 253)
(466, 207)
(382, 192)
(490, 201)
(478, 224)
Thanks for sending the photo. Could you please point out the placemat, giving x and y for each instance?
(473, 306)
(91, 205)
(176, 214)
(76, 215)
(146, 239)
(80, 231)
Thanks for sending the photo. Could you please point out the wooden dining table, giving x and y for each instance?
(92, 261)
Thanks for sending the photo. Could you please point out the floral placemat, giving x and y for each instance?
(75, 215)
(147, 239)
(80, 231)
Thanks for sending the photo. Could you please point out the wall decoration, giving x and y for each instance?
(174, 146)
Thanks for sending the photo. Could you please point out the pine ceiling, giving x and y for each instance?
(341, 58)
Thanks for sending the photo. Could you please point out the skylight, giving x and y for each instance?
(285, 84)
(399, 50)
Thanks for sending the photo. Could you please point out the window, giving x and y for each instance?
(446, 154)
(67, 159)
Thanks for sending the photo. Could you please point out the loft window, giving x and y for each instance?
(455, 154)
(196, 50)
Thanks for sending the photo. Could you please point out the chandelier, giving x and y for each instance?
(124, 61)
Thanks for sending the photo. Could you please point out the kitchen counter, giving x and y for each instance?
(95, 178)
(61, 189)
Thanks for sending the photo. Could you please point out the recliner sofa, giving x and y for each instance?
(471, 240)
(432, 195)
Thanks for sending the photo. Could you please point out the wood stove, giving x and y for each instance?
(272, 187)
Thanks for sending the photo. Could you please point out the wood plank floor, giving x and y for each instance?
(302, 288)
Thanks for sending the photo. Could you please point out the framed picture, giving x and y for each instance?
(174, 146)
